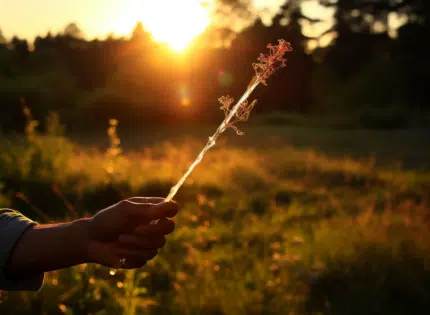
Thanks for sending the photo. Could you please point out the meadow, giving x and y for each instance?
(284, 220)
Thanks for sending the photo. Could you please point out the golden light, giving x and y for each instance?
(185, 102)
(184, 95)
(175, 22)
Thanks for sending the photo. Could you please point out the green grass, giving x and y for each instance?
(281, 221)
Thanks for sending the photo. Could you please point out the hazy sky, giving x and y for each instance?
(97, 18)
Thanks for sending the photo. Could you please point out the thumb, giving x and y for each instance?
(167, 209)
(150, 211)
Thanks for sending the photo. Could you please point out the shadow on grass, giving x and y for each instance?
(375, 281)
(331, 178)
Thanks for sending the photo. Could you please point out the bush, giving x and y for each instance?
(39, 155)
(374, 281)
(4, 201)
(43, 91)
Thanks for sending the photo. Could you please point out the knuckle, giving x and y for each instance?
(174, 208)
(124, 204)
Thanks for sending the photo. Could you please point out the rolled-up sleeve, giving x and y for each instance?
(12, 225)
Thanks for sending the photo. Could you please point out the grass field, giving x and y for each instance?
(280, 221)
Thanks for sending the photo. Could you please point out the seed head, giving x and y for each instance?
(272, 61)
(226, 102)
(242, 113)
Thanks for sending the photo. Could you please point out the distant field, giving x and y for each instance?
(409, 146)
(284, 220)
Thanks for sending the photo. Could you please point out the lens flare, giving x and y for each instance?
(185, 102)
(225, 79)
(184, 95)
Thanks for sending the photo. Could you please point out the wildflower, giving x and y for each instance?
(266, 66)
(113, 122)
(176, 286)
(181, 276)
(26, 111)
(284, 260)
(297, 240)
(62, 308)
(272, 61)
(276, 256)
(242, 112)
(275, 246)
(274, 267)
(226, 102)
(201, 199)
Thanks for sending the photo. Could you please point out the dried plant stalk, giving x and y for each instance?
(266, 66)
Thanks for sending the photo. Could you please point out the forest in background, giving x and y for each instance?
(365, 72)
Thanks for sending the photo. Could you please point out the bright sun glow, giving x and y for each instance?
(175, 22)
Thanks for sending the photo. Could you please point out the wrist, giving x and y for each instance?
(79, 234)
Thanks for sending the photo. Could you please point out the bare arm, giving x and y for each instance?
(49, 247)
(120, 231)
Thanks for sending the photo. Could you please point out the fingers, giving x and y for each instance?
(163, 227)
(131, 241)
(149, 211)
(134, 258)
(132, 264)
(136, 254)
(163, 210)
(146, 200)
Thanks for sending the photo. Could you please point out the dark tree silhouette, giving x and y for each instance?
(137, 79)
(3, 40)
(73, 30)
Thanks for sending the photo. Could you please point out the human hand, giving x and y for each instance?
(124, 231)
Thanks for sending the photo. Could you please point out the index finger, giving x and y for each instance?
(147, 200)
(166, 209)
(151, 211)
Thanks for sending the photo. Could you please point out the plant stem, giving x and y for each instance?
(212, 140)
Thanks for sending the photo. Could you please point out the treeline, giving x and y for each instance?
(364, 71)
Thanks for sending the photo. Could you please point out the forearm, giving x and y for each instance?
(49, 247)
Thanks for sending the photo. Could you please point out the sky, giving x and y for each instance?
(98, 18)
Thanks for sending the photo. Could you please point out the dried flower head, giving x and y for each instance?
(244, 110)
(226, 102)
(241, 114)
(272, 61)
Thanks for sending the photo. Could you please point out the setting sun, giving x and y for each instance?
(174, 22)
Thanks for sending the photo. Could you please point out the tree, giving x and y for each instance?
(72, 30)
(140, 34)
(20, 46)
(228, 12)
(295, 82)
(3, 40)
